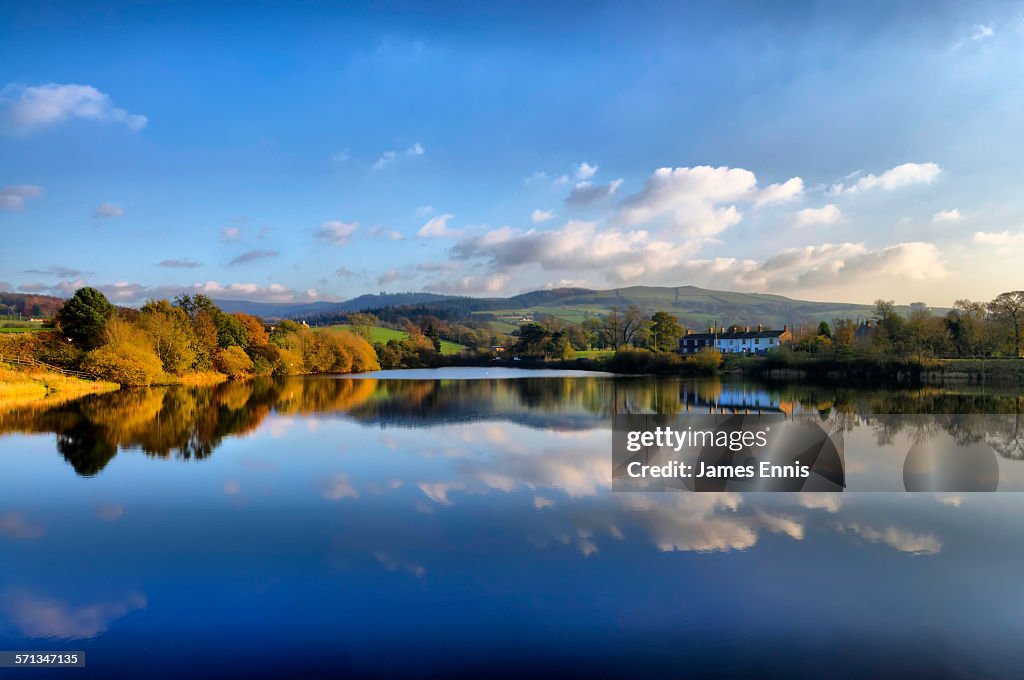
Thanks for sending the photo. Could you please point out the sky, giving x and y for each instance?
(311, 151)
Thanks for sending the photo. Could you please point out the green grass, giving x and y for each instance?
(382, 335)
(593, 353)
(21, 329)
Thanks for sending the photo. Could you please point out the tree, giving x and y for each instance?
(665, 332)
(1009, 308)
(234, 362)
(559, 346)
(620, 326)
(362, 324)
(170, 332)
(435, 337)
(255, 332)
(84, 316)
(533, 340)
(825, 330)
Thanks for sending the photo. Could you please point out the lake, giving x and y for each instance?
(462, 523)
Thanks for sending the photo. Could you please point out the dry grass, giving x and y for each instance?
(20, 387)
(199, 378)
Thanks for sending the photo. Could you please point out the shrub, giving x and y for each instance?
(364, 358)
(125, 364)
(707, 360)
(234, 362)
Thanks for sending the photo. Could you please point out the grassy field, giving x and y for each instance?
(593, 353)
(24, 327)
(382, 335)
(21, 387)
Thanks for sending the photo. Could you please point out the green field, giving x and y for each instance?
(20, 327)
(382, 335)
(593, 353)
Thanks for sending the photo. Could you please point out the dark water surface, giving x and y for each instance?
(322, 527)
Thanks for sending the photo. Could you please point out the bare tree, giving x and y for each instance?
(1009, 307)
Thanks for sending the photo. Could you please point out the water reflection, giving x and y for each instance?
(337, 516)
(191, 423)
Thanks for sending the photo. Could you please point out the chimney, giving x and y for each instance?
(746, 329)
(785, 329)
(689, 331)
(711, 329)
(760, 327)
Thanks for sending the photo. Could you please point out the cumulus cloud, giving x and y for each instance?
(587, 193)
(947, 216)
(13, 198)
(253, 256)
(27, 107)
(1004, 239)
(437, 227)
(907, 174)
(539, 216)
(785, 192)
(335, 232)
(823, 266)
(180, 263)
(827, 214)
(585, 171)
(619, 254)
(700, 201)
(107, 211)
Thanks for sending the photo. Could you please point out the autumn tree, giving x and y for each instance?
(171, 334)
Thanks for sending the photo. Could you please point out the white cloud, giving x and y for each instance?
(585, 171)
(700, 201)
(542, 215)
(13, 198)
(107, 211)
(588, 193)
(27, 107)
(253, 256)
(230, 234)
(340, 156)
(468, 285)
(907, 174)
(389, 157)
(335, 232)
(828, 502)
(1006, 239)
(947, 216)
(437, 227)
(620, 255)
(827, 214)
(424, 210)
(899, 539)
(785, 192)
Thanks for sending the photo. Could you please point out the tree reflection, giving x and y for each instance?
(191, 422)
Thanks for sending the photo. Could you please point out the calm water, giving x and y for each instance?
(442, 526)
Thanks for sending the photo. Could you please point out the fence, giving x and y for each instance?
(33, 363)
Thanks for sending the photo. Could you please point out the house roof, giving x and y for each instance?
(734, 335)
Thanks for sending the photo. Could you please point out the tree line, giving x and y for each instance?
(172, 341)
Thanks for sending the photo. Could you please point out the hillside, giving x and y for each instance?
(29, 305)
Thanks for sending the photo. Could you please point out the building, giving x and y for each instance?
(735, 342)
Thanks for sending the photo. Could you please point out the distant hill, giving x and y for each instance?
(29, 305)
(299, 310)
(696, 307)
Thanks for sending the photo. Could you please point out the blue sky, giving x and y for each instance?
(300, 151)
